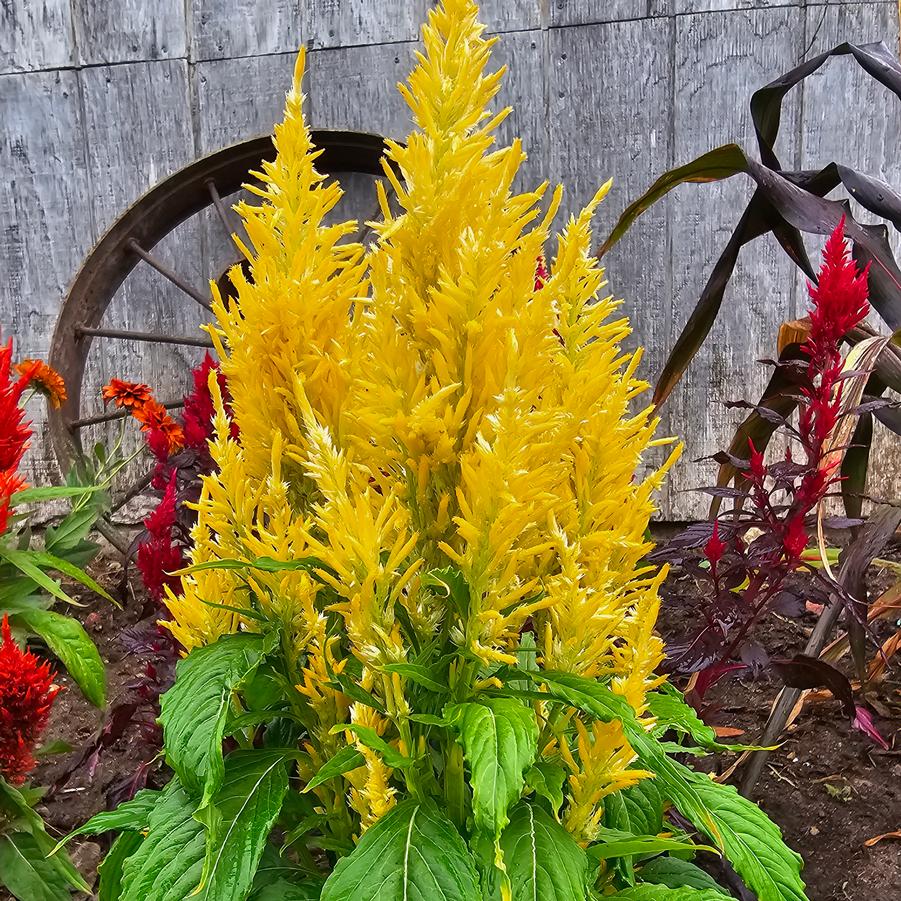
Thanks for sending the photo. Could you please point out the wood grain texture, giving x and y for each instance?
(356, 88)
(232, 28)
(349, 23)
(512, 15)
(45, 219)
(114, 31)
(720, 59)
(36, 34)
(682, 7)
(619, 128)
(138, 125)
(236, 99)
(850, 118)
(525, 90)
(588, 12)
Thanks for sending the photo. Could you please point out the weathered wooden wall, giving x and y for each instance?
(99, 99)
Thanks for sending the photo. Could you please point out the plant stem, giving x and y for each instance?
(454, 785)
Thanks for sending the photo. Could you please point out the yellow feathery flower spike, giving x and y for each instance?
(430, 403)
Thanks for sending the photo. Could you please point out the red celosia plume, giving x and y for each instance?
(26, 696)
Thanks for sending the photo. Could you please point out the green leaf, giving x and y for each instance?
(546, 780)
(615, 843)
(266, 564)
(51, 561)
(637, 810)
(344, 761)
(751, 841)
(24, 562)
(413, 853)
(282, 890)
(168, 864)
(450, 584)
(110, 871)
(133, 815)
(648, 892)
(677, 873)
(67, 639)
(369, 737)
(71, 531)
(30, 875)
(52, 493)
(669, 707)
(193, 712)
(543, 861)
(419, 674)
(239, 820)
(499, 738)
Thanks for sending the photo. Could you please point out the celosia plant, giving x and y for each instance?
(417, 605)
(753, 554)
(27, 590)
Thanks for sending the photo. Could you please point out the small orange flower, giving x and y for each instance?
(130, 395)
(44, 378)
(154, 417)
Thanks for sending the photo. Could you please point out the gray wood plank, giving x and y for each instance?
(621, 130)
(586, 12)
(139, 131)
(720, 59)
(524, 89)
(356, 88)
(36, 34)
(682, 7)
(46, 217)
(236, 99)
(230, 28)
(851, 119)
(511, 15)
(117, 31)
(348, 23)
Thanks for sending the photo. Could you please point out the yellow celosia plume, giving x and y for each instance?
(431, 402)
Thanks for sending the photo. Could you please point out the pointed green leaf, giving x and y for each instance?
(67, 639)
(240, 819)
(669, 707)
(413, 853)
(546, 780)
(499, 738)
(109, 887)
(51, 561)
(193, 712)
(751, 841)
(344, 761)
(419, 674)
(30, 875)
(168, 863)
(371, 739)
(543, 861)
(677, 873)
(282, 890)
(647, 892)
(613, 843)
(131, 815)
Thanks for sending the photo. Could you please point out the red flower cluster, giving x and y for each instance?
(182, 457)
(26, 695)
(759, 544)
(839, 304)
(14, 430)
(158, 555)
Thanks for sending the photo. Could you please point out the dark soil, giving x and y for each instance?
(829, 787)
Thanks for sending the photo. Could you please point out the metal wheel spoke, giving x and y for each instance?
(220, 207)
(126, 335)
(131, 492)
(169, 274)
(118, 414)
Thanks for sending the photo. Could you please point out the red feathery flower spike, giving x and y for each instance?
(26, 696)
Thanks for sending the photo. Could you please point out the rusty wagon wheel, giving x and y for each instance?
(84, 320)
